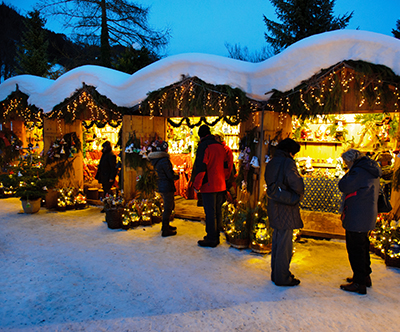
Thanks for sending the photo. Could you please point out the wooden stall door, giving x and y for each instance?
(143, 126)
(53, 129)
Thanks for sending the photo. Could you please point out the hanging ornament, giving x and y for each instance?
(62, 150)
(254, 162)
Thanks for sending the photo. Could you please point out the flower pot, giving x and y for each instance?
(238, 243)
(392, 261)
(61, 208)
(114, 218)
(51, 199)
(156, 219)
(80, 206)
(31, 206)
(261, 248)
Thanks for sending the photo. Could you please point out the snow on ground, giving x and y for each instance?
(281, 72)
(69, 272)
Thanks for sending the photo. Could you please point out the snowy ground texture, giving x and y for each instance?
(69, 272)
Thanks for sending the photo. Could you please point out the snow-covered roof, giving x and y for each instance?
(282, 72)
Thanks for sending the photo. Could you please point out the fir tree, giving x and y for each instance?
(396, 32)
(301, 19)
(32, 55)
(132, 60)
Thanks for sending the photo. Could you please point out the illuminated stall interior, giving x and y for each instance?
(93, 138)
(183, 141)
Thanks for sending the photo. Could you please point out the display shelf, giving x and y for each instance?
(319, 143)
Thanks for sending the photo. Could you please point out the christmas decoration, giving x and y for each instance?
(192, 96)
(261, 232)
(373, 85)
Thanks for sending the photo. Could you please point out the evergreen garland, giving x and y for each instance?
(323, 93)
(72, 108)
(232, 121)
(194, 97)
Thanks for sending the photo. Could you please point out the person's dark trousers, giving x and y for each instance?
(221, 198)
(357, 244)
(210, 209)
(107, 187)
(169, 204)
(281, 255)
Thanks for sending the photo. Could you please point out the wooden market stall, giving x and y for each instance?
(353, 104)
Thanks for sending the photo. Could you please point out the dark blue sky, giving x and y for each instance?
(205, 26)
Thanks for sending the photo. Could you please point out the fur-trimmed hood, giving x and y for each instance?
(158, 155)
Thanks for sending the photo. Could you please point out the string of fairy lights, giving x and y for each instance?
(320, 89)
(193, 95)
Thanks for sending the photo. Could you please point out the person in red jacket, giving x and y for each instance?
(230, 171)
(209, 180)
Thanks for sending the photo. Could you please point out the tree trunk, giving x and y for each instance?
(105, 44)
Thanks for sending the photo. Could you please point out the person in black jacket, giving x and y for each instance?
(159, 158)
(284, 218)
(107, 169)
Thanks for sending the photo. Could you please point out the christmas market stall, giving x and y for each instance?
(74, 132)
(352, 104)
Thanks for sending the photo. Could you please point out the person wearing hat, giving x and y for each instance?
(159, 158)
(209, 180)
(284, 218)
(107, 170)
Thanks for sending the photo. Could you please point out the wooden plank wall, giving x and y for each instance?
(53, 129)
(144, 127)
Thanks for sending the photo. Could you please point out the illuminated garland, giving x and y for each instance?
(194, 97)
(232, 121)
(374, 85)
(15, 107)
(87, 104)
(99, 124)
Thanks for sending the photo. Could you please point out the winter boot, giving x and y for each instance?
(166, 229)
(168, 232)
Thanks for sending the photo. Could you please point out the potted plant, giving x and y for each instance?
(34, 182)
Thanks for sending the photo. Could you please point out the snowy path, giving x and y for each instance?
(69, 272)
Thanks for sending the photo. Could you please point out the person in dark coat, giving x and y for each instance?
(360, 187)
(159, 158)
(107, 170)
(284, 218)
(209, 179)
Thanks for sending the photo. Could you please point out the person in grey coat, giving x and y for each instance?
(360, 187)
(284, 218)
(159, 158)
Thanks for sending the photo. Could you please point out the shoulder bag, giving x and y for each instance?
(384, 205)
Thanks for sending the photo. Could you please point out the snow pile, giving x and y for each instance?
(282, 72)
(69, 272)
